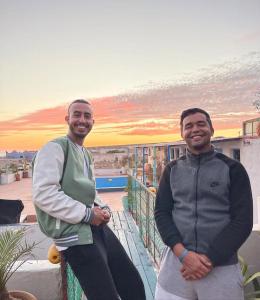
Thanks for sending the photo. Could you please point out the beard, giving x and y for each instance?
(200, 146)
(80, 135)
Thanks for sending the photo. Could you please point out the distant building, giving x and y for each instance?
(28, 155)
(228, 146)
(250, 154)
(251, 128)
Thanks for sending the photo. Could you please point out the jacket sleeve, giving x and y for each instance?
(46, 189)
(229, 240)
(163, 211)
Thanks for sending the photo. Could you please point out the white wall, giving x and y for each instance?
(250, 158)
(228, 146)
(7, 178)
(38, 277)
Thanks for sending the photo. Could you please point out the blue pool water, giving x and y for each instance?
(119, 182)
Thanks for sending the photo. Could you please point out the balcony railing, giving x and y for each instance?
(141, 203)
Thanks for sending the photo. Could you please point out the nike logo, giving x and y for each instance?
(214, 184)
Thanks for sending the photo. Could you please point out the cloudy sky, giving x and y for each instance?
(139, 62)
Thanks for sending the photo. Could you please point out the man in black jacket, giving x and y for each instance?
(204, 214)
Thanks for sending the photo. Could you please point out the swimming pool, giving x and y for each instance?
(112, 182)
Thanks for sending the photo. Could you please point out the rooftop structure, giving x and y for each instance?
(28, 155)
(251, 128)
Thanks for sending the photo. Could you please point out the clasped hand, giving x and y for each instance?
(195, 266)
(101, 216)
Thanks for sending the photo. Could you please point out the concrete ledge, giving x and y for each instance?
(39, 277)
(7, 178)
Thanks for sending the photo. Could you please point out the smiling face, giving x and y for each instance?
(80, 121)
(197, 132)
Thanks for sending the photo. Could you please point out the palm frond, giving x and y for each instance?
(252, 295)
(243, 265)
(252, 277)
(14, 252)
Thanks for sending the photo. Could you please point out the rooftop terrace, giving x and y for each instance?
(23, 190)
(121, 223)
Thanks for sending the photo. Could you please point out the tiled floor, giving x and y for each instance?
(23, 190)
(19, 190)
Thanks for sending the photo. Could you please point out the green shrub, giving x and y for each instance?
(250, 279)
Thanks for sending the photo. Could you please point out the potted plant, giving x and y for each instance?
(14, 169)
(14, 252)
(250, 279)
(25, 169)
(17, 176)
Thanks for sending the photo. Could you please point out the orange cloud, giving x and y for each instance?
(148, 131)
(51, 118)
(152, 115)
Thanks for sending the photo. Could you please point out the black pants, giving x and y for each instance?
(104, 269)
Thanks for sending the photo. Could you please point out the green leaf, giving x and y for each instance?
(244, 266)
(251, 278)
(252, 295)
(14, 252)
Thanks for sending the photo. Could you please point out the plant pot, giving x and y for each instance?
(22, 295)
(17, 177)
(25, 174)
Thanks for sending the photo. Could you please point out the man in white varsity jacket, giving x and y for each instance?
(69, 211)
(204, 213)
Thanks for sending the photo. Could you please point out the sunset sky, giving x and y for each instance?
(140, 63)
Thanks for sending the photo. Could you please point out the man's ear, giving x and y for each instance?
(67, 119)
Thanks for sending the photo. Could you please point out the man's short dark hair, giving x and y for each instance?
(192, 111)
(78, 101)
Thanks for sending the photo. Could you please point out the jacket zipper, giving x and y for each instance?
(196, 207)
